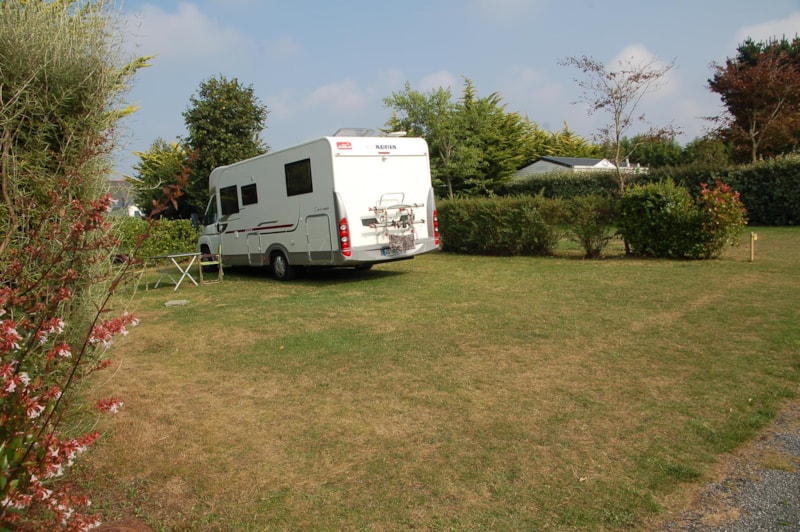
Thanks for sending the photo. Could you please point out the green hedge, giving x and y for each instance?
(770, 190)
(500, 226)
(656, 219)
(566, 185)
(166, 236)
(664, 220)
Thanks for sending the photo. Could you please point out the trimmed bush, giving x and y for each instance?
(166, 236)
(657, 220)
(591, 223)
(663, 220)
(566, 185)
(770, 190)
(500, 226)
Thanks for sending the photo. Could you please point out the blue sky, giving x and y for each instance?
(321, 65)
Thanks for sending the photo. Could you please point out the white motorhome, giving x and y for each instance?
(336, 201)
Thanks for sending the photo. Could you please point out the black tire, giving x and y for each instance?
(281, 269)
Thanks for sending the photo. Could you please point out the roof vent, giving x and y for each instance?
(355, 132)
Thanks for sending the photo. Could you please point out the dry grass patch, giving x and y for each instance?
(445, 392)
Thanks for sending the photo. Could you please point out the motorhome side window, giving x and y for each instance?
(298, 178)
(249, 195)
(229, 200)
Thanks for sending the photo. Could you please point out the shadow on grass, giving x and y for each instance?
(316, 276)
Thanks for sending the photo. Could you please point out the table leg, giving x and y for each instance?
(185, 272)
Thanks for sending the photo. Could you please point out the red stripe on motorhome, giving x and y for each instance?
(259, 229)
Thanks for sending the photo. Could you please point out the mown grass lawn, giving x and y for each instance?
(447, 392)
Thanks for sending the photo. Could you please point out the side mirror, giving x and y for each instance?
(195, 220)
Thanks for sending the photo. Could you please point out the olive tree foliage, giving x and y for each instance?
(618, 93)
(158, 171)
(475, 144)
(224, 121)
(62, 82)
(760, 89)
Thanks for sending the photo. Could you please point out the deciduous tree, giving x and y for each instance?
(225, 120)
(618, 93)
(476, 145)
(162, 167)
(435, 117)
(760, 89)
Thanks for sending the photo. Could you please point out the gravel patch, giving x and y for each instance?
(760, 490)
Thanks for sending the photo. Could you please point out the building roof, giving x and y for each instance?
(546, 164)
(572, 162)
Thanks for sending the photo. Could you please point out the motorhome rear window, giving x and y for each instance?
(249, 194)
(229, 201)
(298, 178)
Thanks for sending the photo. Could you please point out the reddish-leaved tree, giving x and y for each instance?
(760, 89)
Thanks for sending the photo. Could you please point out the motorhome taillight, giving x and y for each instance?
(435, 228)
(344, 237)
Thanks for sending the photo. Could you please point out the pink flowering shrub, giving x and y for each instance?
(61, 100)
(724, 218)
(40, 363)
(663, 220)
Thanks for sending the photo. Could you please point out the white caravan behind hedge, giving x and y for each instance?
(335, 201)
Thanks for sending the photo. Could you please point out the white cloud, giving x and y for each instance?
(185, 35)
(523, 83)
(340, 97)
(637, 55)
(778, 28)
(529, 92)
(441, 79)
(282, 105)
(689, 114)
(527, 76)
(389, 81)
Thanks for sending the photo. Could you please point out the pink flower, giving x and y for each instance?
(61, 351)
(6, 370)
(52, 326)
(111, 405)
(103, 333)
(33, 410)
(9, 336)
(12, 381)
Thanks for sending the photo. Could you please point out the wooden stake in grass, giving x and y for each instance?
(753, 238)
